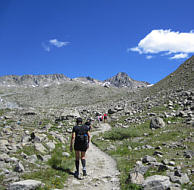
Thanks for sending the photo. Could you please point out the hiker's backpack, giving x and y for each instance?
(81, 136)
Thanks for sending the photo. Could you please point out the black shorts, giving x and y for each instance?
(105, 117)
(80, 147)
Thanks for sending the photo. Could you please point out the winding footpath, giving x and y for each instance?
(101, 170)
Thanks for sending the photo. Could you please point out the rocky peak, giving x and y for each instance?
(32, 80)
(123, 80)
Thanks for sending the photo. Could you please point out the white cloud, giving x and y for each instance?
(179, 56)
(58, 43)
(166, 41)
(149, 57)
(46, 47)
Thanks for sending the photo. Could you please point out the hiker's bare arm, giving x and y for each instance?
(88, 138)
(72, 140)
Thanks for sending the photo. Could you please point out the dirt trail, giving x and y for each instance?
(101, 170)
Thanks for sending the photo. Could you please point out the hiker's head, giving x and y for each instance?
(79, 120)
(88, 121)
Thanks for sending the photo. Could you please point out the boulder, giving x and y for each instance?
(148, 159)
(157, 182)
(67, 114)
(19, 167)
(136, 178)
(156, 123)
(25, 185)
(39, 147)
(111, 111)
(50, 146)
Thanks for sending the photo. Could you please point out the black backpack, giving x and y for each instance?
(81, 136)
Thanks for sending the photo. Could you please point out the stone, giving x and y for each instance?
(156, 123)
(111, 111)
(136, 178)
(32, 158)
(171, 163)
(50, 146)
(25, 185)
(162, 168)
(39, 147)
(157, 182)
(66, 154)
(140, 168)
(148, 159)
(19, 167)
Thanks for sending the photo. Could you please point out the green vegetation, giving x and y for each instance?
(57, 173)
(126, 146)
(4, 111)
(125, 133)
(28, 150)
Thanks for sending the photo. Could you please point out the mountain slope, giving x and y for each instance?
(183, 77)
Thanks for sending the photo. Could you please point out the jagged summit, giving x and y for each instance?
(119, 80)
(122, 79)
(33, 80)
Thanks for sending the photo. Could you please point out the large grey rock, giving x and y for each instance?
(25, 185)
(157, 182)
(156, 123)
(19, 167)
(136, 178)
(39, 147)
(50, 146)
(181, 179)
(70, 114)
(148, 159)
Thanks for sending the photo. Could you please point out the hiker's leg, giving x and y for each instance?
(83, 160)
(77, 156)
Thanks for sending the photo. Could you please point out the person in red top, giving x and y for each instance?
(105, 118)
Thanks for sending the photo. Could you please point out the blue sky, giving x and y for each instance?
(147, 39)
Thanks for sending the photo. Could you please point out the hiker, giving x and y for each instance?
(80, 138)
(105, 118)
(101, 118)
(88, 124)
(98, 118)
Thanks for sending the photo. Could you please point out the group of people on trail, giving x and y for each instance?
(80, 140)
(102, 117)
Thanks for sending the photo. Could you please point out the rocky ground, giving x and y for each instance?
(151, 135)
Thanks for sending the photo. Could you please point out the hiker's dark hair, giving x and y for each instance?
(79, 120)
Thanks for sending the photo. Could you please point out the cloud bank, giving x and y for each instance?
(170, 42)
(53, 42)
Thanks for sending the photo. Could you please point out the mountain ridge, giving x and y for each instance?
(120, 80)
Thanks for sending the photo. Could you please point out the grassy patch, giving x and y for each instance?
(128, 148)
(125, 133)
(56, 175)
(29, 150)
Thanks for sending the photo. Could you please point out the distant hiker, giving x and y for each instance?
(80, 138)
(105, 118)
(88, 124)
(98, 118)
(101, 118)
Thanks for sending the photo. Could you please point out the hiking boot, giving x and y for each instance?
(84, 173)
(76, 174)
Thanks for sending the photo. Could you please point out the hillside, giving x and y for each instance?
(183, 77)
